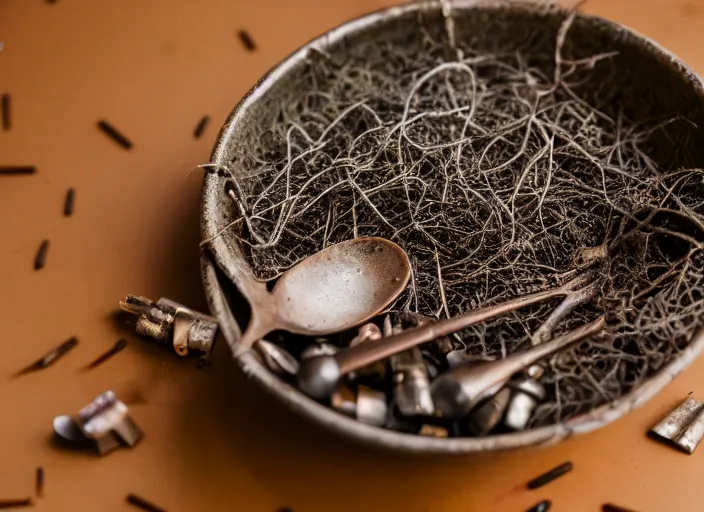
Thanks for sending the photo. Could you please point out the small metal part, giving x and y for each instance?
(69, 202)
(388, 327)
(411, 384)
(551, 475)
(535, 371)
(371, 406)
(115, 135)
(104, 422)
(39, 481)
(433, 431)
(139, 502)
(40, 258)
(50, 357)
(371, 332)
(278, 360)
(484, 418)
(344, 401)
(119, 346)
(526, 394)
(543, 506)
(201, 126)
(410, 376)
(684, 426)
(319, 349)
(368, 332)
(168, 321)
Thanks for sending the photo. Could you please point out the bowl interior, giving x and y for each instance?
(642, 80)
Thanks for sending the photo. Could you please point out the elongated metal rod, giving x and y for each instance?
(354, 358)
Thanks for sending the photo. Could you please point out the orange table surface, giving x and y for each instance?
(214, 441)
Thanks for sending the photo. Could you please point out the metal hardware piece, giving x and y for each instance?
(371, 406)
(411, 384)
(368, 332)
(167, 321)
(104, 423)
(684, 426)
(526, 394)
(410, 375)
(367, 405)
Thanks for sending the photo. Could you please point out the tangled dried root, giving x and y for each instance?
(500, 174)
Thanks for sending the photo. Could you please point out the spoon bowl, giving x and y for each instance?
(342, 286)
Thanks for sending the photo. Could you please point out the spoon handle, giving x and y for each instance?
(361, 355)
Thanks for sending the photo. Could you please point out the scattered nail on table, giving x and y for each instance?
(247, 40)
(201, 126)
(543, 506)
(39, 481)
(51, 357)
(25, 502)
(551, 475)
(17, 170)
(69, 202)
(115, 135)
(40, 258)
(116, 348)
(5, 106)
(138, 502)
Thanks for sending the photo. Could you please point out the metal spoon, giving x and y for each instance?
(339, 287)
(318, 376)
(457, 392)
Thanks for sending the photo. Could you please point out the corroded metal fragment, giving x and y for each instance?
(684, 426)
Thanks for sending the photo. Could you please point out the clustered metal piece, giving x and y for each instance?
(427, 389)
(683, 427)
(168, 322)
(103, 425)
